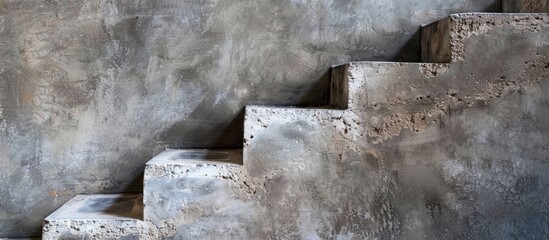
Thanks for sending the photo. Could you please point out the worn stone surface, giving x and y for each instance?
(100, 216)
(90, 90)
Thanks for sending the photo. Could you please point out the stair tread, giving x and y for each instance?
(197, 156)
(101, 207)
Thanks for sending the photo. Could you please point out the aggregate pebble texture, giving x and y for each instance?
(92, 89)
(455, 150)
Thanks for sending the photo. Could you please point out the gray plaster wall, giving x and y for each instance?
(90, 90)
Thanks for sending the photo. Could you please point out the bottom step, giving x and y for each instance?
(99, 216)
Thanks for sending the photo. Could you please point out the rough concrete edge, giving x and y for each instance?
(138, 224)
(464, 25)
(180, 171)
(132, 227)
(160, 168)
(443, 41)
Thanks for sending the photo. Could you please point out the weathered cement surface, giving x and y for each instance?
(195, 194)
(90, 90)
(420, 151)
(101, 216)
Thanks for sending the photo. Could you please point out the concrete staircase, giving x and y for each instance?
(453, 149)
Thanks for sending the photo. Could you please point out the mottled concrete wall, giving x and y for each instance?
(90, 90)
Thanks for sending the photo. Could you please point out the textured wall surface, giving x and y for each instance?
(454, 150)
(90, 90)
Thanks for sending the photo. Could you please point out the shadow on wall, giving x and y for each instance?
(411, 50)
(184, 135)
(196, 132)
(215, 122)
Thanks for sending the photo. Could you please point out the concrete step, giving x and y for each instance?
(98, 216)
(197, 194)
(449, 39)
(485, 51)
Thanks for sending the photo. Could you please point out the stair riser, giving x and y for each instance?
(197, 200)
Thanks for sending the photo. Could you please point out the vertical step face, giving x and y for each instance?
(100, 216)
(339, 87)
(314, 182)
(435, 42)
(198, 194)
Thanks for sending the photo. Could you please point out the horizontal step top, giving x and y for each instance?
(496, 14)
(196, 157)
(195, 163)
(123, 207)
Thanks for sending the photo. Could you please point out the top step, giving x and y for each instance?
(444, 40)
